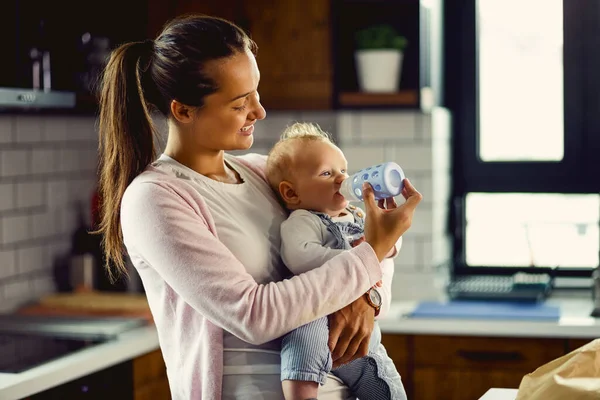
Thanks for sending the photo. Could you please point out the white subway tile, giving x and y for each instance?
(327, 120)
(7, 128)
(14, 162)
(55, 129)
(88, 159)
(15, 228)
(81, 128)
(413, 157)
(44, 161)
(409, 255)
(7, 196)
(362, 156)
(347, 126)
(8, 263)
(69, 160)
(387, 125)
(422, 220)
(31, 194)
(58, 194)
(42, 285)
(28, 128)
(43, 224)
(18, 290)
(32, 259)
(417, 286)
(272, 126)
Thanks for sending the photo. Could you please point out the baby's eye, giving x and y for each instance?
(326, 173)
(343, 171)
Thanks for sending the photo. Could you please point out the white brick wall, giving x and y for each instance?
(47, 166)
(420, 144)
(48, 163)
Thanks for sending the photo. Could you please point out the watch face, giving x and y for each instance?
(375, 297)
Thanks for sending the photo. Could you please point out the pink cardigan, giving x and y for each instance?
(196, 287)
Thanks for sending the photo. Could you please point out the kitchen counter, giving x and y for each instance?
(128, 345)
(574, 323)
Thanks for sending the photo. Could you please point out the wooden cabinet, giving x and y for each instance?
(573, 344)
(150, 377)
(294, 53)
(306, 48)
(294, 45)
(463, 367)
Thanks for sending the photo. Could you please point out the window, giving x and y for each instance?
(522, 86)
(520, 80)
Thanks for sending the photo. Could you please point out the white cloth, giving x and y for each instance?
(250, 371)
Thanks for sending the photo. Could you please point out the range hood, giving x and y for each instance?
(15, 98)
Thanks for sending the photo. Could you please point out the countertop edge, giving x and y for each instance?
(127, 346)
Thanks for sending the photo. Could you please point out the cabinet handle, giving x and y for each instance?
(486, 356)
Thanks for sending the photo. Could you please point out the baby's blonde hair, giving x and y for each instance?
(280, 159)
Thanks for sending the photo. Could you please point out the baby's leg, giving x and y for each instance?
(305, 360)
(373, 377)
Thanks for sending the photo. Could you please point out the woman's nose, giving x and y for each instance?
(258, 111)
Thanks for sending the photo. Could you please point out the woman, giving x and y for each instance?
(202, 227)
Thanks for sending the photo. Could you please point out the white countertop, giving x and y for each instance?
(574, 323)
(128, 345)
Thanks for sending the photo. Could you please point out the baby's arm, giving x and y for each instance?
(301, 243)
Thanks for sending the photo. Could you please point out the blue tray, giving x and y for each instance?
(486, 310)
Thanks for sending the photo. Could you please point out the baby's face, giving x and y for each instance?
(319, 170)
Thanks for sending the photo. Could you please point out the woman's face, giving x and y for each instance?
(226, 121)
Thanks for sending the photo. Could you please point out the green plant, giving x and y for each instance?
(380, 37)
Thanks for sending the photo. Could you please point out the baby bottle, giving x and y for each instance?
(386, 180)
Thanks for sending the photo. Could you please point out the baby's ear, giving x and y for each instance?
(288, 194)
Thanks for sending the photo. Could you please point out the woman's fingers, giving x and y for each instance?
(390, 203)
(341, 347)
(350, 352)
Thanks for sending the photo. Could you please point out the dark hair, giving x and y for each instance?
(141, 77)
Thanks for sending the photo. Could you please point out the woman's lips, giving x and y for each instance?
(247, 132)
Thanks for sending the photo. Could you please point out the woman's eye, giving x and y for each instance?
(241, 108)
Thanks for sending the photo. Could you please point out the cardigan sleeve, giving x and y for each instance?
(168, 230)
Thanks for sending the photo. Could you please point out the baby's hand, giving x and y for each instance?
(357, 241)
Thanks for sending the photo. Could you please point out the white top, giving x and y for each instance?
(250, 371)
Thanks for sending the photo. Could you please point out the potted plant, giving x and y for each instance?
(379, 53)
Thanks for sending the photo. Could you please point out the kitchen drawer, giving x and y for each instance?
(397, 348)
(482, 352)
(573, 344)
(148, 368)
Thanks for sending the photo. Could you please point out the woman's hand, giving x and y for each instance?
(384, 226)
(350, 331)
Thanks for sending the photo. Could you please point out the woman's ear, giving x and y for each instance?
(288, 194)
(182, 112)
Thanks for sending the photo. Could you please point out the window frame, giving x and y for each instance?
(573, 174)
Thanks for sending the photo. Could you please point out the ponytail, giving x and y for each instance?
(126, 145)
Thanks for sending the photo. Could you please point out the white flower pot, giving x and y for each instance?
(378, 70)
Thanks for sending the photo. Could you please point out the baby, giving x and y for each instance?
(305, 168)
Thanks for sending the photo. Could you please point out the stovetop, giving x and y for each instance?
(20, 352)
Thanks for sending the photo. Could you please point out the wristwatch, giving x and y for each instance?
(374, 299)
